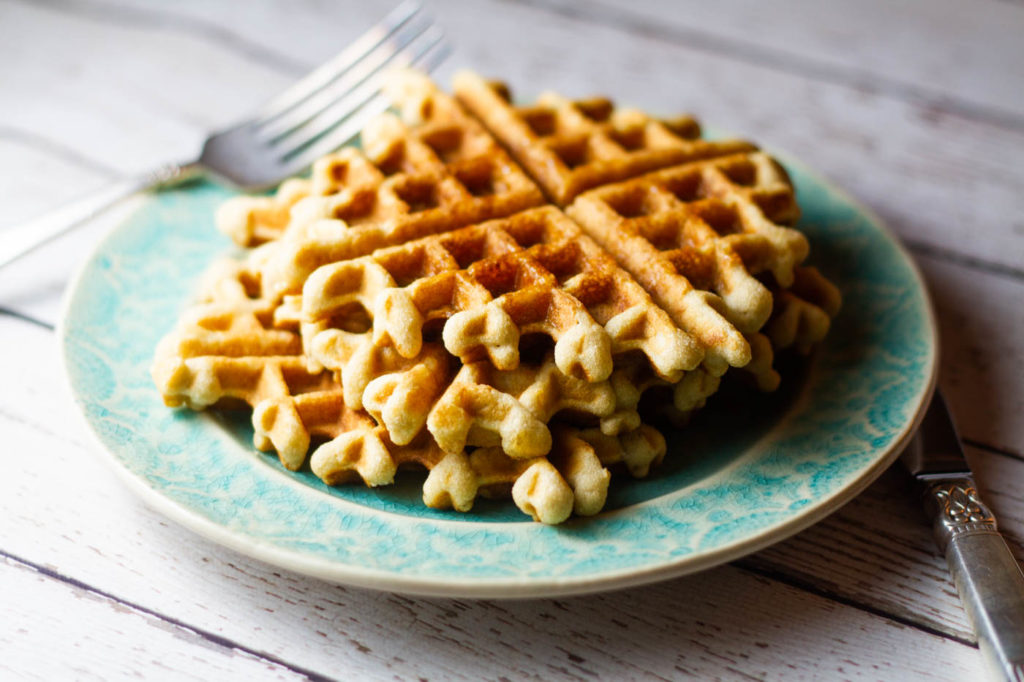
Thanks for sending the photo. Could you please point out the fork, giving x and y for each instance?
(315, 116)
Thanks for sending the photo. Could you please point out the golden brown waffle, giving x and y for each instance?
(573, 478)
(254, 220)
(399, 392)
(475, 404)
(492, 284)
(637, 450)
(435, 171)
(549, 489)
(803, 312)
(632, 379)
(801, 317)
(695, 235)
(413, 304)
(571, 146)
(229, 321)
(226, 352)
(484, 406)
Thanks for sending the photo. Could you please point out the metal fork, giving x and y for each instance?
(315, 116)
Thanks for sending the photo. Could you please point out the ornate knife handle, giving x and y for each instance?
(986, 574)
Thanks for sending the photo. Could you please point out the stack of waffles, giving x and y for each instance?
(495, 292)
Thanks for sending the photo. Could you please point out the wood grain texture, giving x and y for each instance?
(92, 637)
(859, 556)
(945, 53)
(981, 322)
(956, 176)
(34, 285)
(879, 551)
(928, 137)
(724, 622)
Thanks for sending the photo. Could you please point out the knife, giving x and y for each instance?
(986, 575)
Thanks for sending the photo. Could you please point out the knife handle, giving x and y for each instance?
(986, 574)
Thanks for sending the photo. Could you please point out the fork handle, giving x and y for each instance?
(20, 239)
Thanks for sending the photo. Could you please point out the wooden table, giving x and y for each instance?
(916, 108)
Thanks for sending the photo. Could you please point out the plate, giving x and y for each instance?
(748, 471)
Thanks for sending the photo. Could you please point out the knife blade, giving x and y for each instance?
(986, 574)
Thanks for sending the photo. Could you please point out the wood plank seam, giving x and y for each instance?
(205, 635)
(971, 262)
(212, 34)
(627, 22)
(777, 576)
(218, 640)
(31, 139)
(24, 317)
(1005, 452)
(622, 20)
(743, 565)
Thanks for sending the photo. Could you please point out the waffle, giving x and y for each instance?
(801, 317)
(803, 312)
(572, 479)
(400, 392)
(487, 407)
(548, 489)
(695, 236)
(571, 146)
(413, 303)
(226, 351)
(473, 405)
(636, 451)
(254, 220)
(230, 320)
(433, 171)
(494, 283)
(632, 379)
(363, 451)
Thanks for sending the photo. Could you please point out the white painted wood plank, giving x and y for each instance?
(946, 49)
(879, 549)
(952, 53)
(725, 622)
(35, 284)
(130, 114)
(50, 630)
(35, 176)
(981, 322)
(943, 180)
(938, 178)
(68, 512)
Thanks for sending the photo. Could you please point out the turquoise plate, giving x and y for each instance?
(729, 486)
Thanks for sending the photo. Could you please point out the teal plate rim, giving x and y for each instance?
(843, 418)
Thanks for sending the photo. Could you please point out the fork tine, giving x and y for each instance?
(324, 74)
(347, 130)
(302, 112)
(337, 112)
